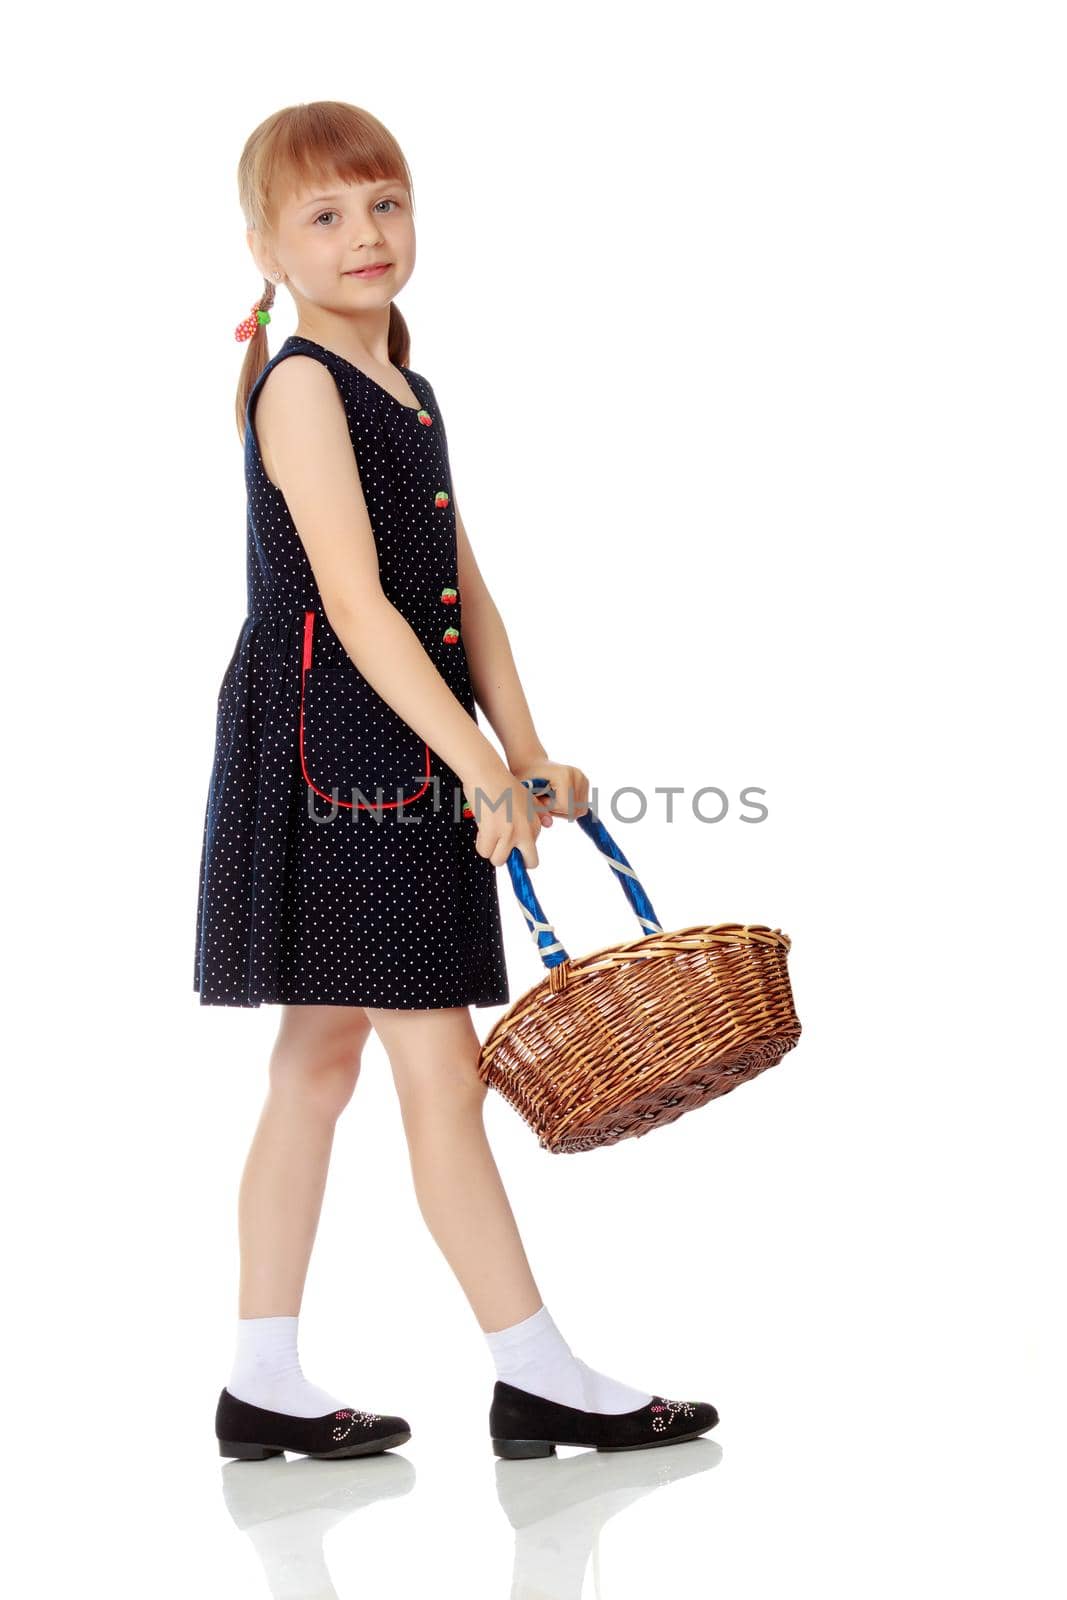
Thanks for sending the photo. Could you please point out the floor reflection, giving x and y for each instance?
(559, 1505)
(556, 1506)
(287, 1507)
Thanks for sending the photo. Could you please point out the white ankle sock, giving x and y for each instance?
(533, 1355)
(266, 1370)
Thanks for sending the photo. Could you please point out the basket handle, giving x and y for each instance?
(549, 947)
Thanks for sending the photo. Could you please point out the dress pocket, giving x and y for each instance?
(352, 739)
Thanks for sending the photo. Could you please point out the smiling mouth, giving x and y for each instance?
(362, 272)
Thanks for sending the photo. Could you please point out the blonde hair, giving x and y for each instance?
(301, 146)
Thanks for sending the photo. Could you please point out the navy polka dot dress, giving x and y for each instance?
(338, 864)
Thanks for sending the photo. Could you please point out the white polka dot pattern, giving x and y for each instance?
(314, 888)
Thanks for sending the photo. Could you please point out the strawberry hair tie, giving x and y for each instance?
(259, 315)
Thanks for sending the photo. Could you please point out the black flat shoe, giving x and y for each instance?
(524, 1424)
(252, 1434)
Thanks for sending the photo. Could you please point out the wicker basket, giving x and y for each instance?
(630, 1037)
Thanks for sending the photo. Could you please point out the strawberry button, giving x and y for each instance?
(424, 417)
(448, 596)
(450, 635)
(440, 499)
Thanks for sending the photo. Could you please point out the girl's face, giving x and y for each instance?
(325, 233)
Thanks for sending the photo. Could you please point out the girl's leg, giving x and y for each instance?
(434, 1059)
(314, 1067)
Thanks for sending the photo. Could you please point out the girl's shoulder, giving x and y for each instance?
(370, 407)
(408, 388)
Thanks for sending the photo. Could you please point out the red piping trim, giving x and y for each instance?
(387, 805)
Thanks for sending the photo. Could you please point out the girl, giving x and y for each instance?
(348, 869)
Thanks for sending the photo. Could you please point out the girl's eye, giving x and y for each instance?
(386, 202)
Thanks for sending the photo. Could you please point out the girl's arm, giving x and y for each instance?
(300, 415)
(494, 675)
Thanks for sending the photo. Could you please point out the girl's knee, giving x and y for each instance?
(318, 1053)
(432, 1091)
(433, 1054)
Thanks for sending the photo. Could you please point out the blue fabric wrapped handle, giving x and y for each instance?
(549, 947)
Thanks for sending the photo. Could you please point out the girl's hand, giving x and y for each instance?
(503, 823)
(568, 786)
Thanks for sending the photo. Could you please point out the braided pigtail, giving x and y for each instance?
(254, 330)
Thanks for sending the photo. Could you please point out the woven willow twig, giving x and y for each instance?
(632, 1036)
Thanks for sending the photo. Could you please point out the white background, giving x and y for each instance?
(747, 326)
